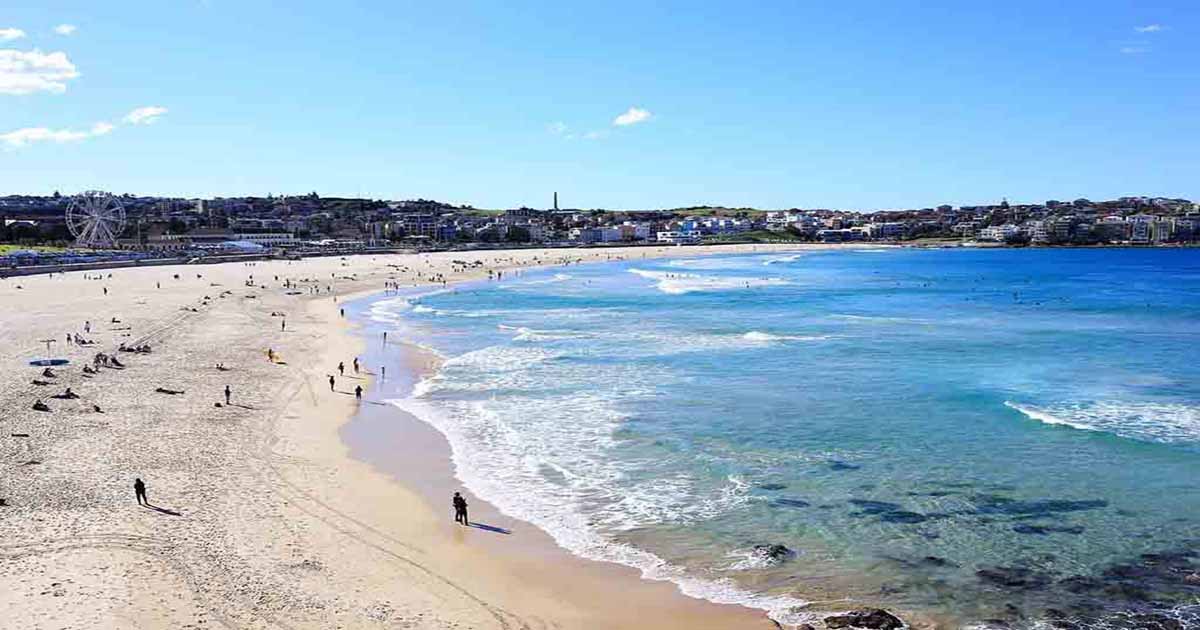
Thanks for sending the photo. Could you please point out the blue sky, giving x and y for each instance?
(846, 105)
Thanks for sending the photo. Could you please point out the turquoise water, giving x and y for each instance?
(960, 435)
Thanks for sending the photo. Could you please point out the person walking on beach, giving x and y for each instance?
(330, 382)
(139, 489)
(283, 325)
(460, 510)
(358, 392)
(341, 368)
(356, 365)
(227, 393)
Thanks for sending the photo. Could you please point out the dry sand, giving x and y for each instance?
(261, 517)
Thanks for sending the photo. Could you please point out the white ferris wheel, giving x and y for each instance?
(95, 219)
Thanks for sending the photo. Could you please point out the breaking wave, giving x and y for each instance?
(1165, 423)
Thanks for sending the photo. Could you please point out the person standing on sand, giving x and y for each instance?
(227, 393)
(356, 365)
(341, 368)
(460, 510)
(358, 392)
(283, 325)
(139, 489)
(330, 382)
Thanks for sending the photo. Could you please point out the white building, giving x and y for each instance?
(679, 237)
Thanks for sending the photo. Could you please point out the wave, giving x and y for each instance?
(763, 337)
(1164, 423)
(879, 319)
(532, 334)
(782, 259)
(534, 437)
(558, 277)
(680, 283)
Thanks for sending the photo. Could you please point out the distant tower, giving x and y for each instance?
(556, 201)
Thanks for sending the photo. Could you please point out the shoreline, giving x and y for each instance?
(262, 518)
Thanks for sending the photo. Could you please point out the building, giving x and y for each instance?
(679, 237)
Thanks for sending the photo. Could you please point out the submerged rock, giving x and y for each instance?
(874, 618)
(776, 553)
(772, 486)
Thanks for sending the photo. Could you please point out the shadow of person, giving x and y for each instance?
(491, 528)
(162, 510)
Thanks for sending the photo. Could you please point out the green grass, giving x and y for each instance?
(5, 249)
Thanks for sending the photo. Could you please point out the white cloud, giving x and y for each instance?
(557, 128)
(21, 138)
(1149, 28)
(26, 72)
(29, 135)
(595, 135)
(145, 115)
(1133, 50)
(66, 29)
(7, 34)
(632, 116)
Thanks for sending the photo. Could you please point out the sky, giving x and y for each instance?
(619, 105)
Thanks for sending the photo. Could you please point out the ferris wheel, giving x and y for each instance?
(95, 219)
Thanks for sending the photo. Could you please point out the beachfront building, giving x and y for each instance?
(999, 233)
(679, 237)
(1140, 229)
(590, 235)
(890, 230)
(268, 239)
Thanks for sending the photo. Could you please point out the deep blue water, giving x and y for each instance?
(960, 435)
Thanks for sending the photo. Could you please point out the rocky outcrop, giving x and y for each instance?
(873, 618)
(776, 553)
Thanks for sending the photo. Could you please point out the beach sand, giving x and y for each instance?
(261, 517)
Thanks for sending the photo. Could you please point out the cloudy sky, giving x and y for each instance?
(616, 105)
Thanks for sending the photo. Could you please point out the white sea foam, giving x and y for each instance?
(753, 558)
(543, 451)
(680, 283)
(1146, 421)
(782, 259)
(558, 277)
(524, 333)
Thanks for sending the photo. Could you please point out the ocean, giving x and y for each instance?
(971, 437)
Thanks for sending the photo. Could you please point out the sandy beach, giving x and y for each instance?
(260, 516)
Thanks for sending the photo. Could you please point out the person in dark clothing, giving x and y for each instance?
(341, 368)
(227, 393)
(356, 365)
(330, 382)
(460, 509)
(139, 489)
(358, 392)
